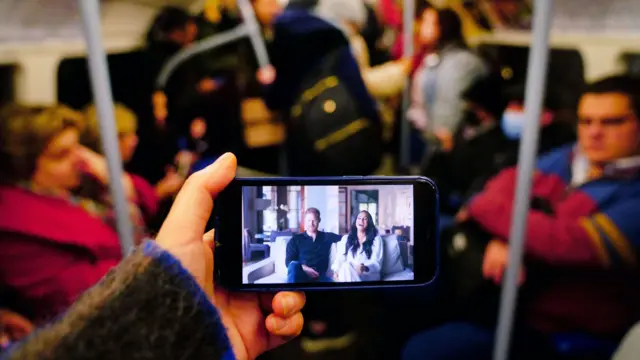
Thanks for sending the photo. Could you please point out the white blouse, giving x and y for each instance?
(374, 263)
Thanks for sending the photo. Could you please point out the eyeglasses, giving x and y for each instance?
(609, 121)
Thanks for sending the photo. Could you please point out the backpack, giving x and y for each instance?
(330, 132)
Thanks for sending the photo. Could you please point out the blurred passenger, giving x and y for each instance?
(172, 30)
(237, 104)
(161, 301)
(382, 81)
(581, 241)
(476, 144)
(437, 107)
(193, 149)
(489, 138)
(186, 95)
(391, 11)
(385, 82)
(147, 196)
(373, 35)
(47, 259)
(313, 56)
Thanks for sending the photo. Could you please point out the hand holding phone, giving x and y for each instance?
(298, 220)
(267, 320)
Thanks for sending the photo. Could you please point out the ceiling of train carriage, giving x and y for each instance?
(43, 20)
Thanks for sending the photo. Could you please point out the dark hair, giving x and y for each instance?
(352, 238)
(421, 7)
(553, 95)
(487, 93)
(620, 84)
(450, 28)
(168, 19)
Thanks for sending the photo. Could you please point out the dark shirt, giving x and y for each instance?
(314, 254)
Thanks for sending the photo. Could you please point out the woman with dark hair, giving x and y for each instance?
(359, 252)
(448, 70)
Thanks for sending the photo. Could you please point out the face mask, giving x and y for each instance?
(512, 124)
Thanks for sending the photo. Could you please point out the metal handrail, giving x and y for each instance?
(248, 28)
(101, 86)
(534, 95)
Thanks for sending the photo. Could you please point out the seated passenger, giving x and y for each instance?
(54, 245)
(475, 144)
(583, 247)
(147, 196)
(489, 139)
(359, 255)
(309, 253)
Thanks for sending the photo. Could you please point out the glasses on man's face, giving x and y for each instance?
(614, 121)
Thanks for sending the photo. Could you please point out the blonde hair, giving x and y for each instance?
(126, 123)
(25, 132)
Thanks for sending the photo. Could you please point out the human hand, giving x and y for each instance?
(13, 327)
(206, 85)
(406, 63)
(462, 215)
(170, 184)
(266, 75)
(310, 271)
(182, 235)
(417, 118)
(362, 269)
(446, 139)
(496, 260)
(160, 112)
(96, 166)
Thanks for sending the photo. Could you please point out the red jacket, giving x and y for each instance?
(52, 250)
(146, 198)
(589, 245)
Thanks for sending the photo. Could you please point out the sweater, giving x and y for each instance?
(148, 307)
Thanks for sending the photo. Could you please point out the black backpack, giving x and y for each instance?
(329, 131)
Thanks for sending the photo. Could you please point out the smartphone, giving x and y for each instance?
(326, 233)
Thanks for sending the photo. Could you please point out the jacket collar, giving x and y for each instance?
(625, 168)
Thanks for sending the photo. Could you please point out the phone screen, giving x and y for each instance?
(304, 234)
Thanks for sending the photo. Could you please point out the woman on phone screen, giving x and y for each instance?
(359, 252)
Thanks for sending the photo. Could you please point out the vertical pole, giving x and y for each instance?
(534, 95)
(408, 16)
(101, 86)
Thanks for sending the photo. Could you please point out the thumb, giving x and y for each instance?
(192, 208)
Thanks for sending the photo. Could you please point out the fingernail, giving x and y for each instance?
(222, 163)
(288, 304)
(277, 324)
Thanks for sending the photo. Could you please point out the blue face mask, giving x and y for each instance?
(512, 124)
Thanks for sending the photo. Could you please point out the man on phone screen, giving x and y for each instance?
(308, 253)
